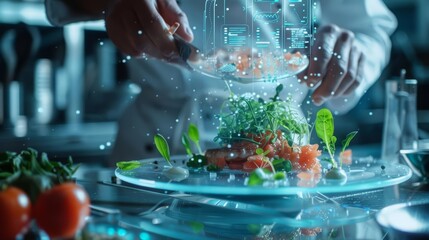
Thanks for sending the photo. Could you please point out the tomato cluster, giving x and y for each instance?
(60, 211)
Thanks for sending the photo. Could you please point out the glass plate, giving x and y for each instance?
(226, 69)
(363, 174)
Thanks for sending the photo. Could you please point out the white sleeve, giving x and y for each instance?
(372, 23)
(60, 13)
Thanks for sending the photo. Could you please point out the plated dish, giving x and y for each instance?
(264, 149)
(361, 176)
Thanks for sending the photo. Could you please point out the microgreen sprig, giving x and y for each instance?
(247, 115)
(162, 146)
(194, 135)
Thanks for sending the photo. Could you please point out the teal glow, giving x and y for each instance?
(122, 232)
(144, 236)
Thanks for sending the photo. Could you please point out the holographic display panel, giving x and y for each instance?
(282, 25)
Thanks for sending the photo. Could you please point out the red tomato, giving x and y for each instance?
(61, 210)
(15, 211)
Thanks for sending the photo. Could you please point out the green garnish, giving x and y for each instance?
(162, 146)
(260, 151)
(128, 165)
(261, 175)
(197, 161)
(195, 136)
(349, 138)
(258, 177)
(186, 144)
(33, 172)
(325, 131)
(281, 164)
(242, 117)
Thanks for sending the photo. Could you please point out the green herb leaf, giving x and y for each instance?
(162, 146)
(194, 135)
(325, 125)
(258, 176)
(186, 144)
(279, 176)
(349, 138)
(259, 151)
(281, 164)
(128, 165)
(325, 131)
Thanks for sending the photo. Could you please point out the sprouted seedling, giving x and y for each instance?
(174, 173)
(196, 161)
(324, 126)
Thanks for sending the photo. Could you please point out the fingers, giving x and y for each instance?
(322, 51)
(359, 76)
(351, 76)
(140, 27)
(172, 13)
(336, 69)
(155, 28)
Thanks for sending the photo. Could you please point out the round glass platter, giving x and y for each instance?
(247, 67)
(361, 175)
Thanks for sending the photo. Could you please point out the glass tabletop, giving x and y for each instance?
(363, 174)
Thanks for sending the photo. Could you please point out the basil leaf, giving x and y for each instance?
(185, 142)
(128, 165)
(162, 146)
(349, 138)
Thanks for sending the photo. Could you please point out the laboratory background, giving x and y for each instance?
(70, 85)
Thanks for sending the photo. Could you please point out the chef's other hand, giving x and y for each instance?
(336, 64)
(140, 27)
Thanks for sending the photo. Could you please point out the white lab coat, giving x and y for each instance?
(173, 97)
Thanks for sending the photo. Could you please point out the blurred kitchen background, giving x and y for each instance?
(64, 88)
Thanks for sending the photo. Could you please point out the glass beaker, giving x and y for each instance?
(400, 120)
(255, 40)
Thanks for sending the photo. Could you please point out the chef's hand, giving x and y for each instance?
(140, 27)
(336, 64)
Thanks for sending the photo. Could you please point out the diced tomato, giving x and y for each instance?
(308, 156)
(270, 149)
(346, 157)
(255, 162)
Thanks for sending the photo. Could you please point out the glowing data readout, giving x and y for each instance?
(257, 24)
